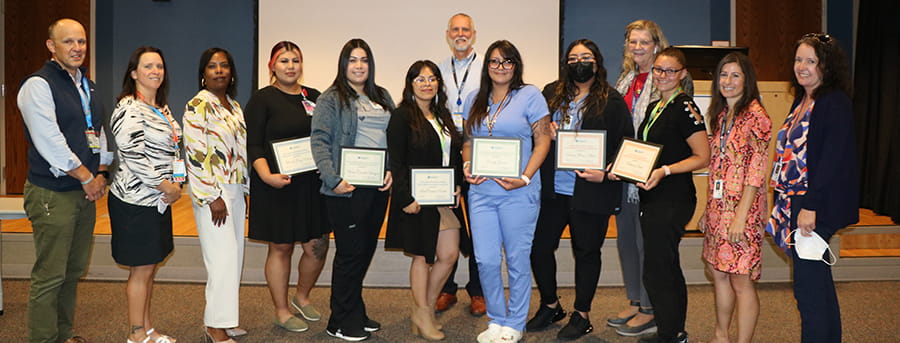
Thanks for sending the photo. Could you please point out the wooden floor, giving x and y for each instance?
(868, 245)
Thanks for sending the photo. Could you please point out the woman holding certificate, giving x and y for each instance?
(216, 147)
(421, 134)
(353, 112)
(147, 181)
(643, 40)
(736, 203)
(668, 197)
(285, 209)
(583, 199)
(815, 180)
(503, 210)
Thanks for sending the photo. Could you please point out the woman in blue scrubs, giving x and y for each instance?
(503, 211)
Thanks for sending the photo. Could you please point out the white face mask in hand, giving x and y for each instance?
(811, 248)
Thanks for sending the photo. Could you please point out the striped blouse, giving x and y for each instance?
(215, 145)
(146, 150)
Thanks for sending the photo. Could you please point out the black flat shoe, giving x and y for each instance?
(578, 326)
(544, 317)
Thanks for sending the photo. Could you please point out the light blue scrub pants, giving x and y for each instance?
(505, 223)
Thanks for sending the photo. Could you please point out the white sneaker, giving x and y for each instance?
(509, 335)
(490, 335)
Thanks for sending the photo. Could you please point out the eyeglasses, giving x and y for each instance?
(573, 59)
(421, 80)
(666, 72)
(496, 64)
(824, 38)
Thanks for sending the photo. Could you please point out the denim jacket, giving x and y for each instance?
(333, 126)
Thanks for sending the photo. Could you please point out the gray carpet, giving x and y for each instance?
(868, 309)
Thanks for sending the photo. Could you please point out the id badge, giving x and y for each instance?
(458, 120)
(718, 189)
(309, 106)
(776, 170)
(93, 139)
(178, 171)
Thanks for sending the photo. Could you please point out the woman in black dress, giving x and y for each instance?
(285, 209)
(421, 133)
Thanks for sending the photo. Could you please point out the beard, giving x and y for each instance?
(460, 44)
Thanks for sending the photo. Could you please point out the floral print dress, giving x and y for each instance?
(742, 164)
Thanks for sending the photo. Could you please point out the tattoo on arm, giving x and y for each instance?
(541, 127)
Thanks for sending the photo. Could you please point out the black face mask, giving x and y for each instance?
(580, 71)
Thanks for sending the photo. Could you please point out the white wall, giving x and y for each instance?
(403, 31)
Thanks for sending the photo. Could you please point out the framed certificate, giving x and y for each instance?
(497, 157)
(580, 150)
(293, 156)
(363, 167)
(636, 159)
(433, 186)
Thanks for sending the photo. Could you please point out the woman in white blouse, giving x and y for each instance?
(215, 137)
(147, 180)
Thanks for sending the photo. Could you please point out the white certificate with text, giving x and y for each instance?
(580, 150)
(497, 157)
(363, 167)
(433, 186)
(636, 159)
(293, 156)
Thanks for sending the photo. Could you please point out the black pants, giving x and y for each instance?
(473, 287)
(662, 224)
(356, 222)
(820, 314)
(588, 233)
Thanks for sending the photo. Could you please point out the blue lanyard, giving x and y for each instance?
(85, 97)
(163, 116)
(460, 86)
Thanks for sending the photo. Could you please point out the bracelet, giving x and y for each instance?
(667, 170)
(88, 180)
(527, 179)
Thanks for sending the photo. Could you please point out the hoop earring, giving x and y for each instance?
(202, 82)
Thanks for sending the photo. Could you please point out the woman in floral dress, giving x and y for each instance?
(736, 203)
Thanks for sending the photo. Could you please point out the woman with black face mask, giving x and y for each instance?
(582, 199)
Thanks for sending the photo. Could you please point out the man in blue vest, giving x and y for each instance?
(67, 158)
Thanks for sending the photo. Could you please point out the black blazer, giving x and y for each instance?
(414, 233)
(598, 198)
(833, 190)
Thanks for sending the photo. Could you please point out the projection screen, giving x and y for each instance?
(403, 31)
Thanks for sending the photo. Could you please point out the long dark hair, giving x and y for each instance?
(479, 111)
(566, 89)
(718, 101)
(204, 60)
(832, 65)
(129, 88)
(345, 92)
(417, 123)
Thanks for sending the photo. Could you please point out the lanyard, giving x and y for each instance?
(726, 132)
(85, 96)
(459, 86)
(493, 119)
(166, 117)
(656, 112)
(442, 138)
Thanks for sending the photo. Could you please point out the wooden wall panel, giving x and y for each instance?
(26, 23)
(770, 28)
